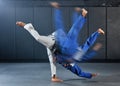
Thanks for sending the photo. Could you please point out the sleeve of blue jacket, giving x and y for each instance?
(77, 70)
(89, 55)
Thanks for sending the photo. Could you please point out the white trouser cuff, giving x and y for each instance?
(72, 64)
(29, 26)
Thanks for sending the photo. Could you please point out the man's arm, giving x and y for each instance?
(92, 52)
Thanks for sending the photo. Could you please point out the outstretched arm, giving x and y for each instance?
(93, 52)
(92, 39)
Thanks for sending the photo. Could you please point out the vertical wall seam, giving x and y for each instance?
(15, 35)
(106, 57)
(33, 40)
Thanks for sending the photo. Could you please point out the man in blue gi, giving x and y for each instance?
(67, 48)
(66, 44)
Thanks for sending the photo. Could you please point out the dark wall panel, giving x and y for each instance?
(97, 19)
(7, 32)
(24, 41)
(113, 32)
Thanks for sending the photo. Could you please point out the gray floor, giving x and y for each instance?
(38, 74)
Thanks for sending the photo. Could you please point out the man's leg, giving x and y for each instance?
(58, 21)
(76, 12)
(74, 68)
(91, 40)
(77, 26)
(45, 40)
(70, 44)
(53, 67)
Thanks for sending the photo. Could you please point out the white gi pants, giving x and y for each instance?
(47, 41)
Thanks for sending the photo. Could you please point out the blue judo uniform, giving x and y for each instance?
(67, 44)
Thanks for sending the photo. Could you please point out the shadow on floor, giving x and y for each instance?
(102, 79)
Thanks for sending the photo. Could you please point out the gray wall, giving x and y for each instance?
(113, 33)
(18, 44)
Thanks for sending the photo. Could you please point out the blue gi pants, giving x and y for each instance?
(67, 43)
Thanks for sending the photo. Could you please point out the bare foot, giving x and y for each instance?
(101, 31)
(21, 24)
(95, 74)
(55, 4)
(56, 79)
(84, 12)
